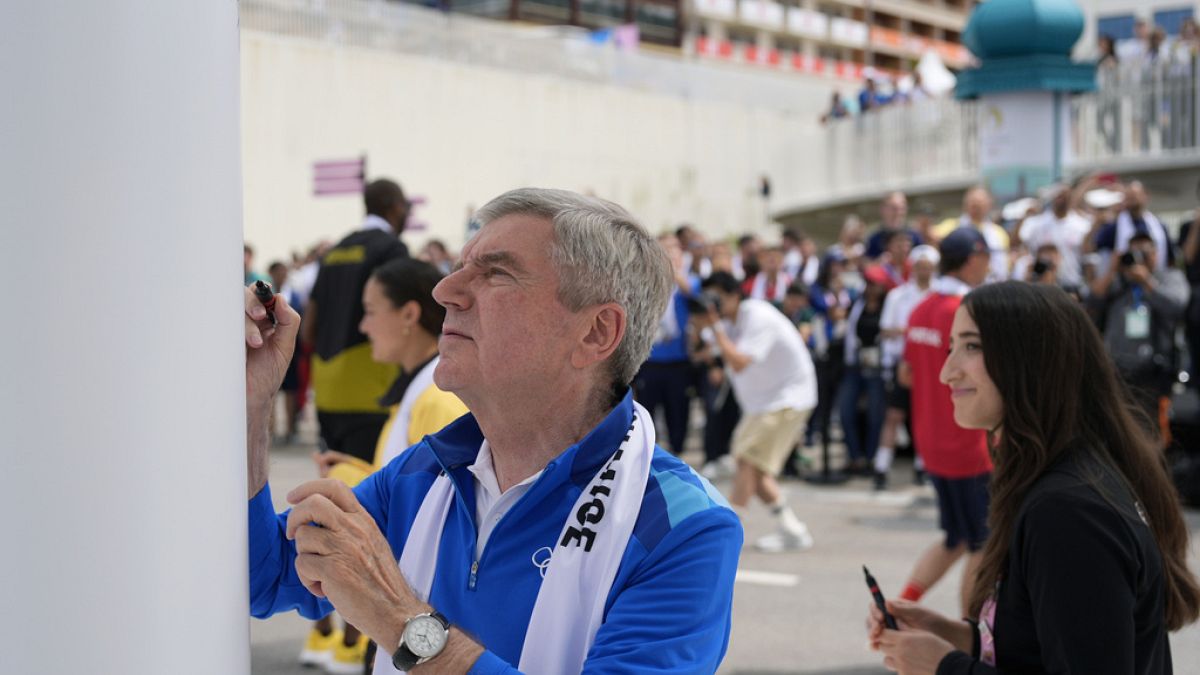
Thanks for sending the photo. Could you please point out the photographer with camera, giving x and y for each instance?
(1044, 269)
(1049, 264)
(1139, 305)
(776, 385)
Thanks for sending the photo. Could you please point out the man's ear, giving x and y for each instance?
(605, 328)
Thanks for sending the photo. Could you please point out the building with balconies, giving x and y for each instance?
(842, 38)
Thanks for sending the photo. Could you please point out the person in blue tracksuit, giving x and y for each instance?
(552, 311)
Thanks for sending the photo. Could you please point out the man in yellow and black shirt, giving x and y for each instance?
(347, 381)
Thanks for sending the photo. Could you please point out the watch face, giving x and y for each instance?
(424, 636)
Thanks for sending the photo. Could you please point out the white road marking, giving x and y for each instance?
(766, 578)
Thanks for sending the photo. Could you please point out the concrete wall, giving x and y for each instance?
(461, 134)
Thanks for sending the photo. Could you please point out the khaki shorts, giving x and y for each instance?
(766, 440)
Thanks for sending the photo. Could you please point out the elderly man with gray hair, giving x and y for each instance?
(543, 532)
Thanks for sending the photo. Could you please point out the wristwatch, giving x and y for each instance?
(424, 637)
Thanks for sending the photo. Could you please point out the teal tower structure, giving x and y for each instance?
(1022, 82)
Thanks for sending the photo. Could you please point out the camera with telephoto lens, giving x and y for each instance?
(1041, 266)
(1133, 257)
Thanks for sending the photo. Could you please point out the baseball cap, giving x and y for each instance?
(925, 253)
(875, 274)
(1053, 190)
(959, 245)
(1102, 199)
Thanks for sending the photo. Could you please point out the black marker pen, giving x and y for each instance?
(875, 593)
(262, 291)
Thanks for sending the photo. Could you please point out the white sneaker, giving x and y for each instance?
(718, 469)
(777, 542)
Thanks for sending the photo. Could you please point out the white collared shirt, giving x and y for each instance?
(374, 222)
(490, 503)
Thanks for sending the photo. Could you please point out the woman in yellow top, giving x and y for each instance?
(403, 323)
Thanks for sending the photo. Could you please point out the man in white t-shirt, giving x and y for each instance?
(977, 215)
(775, 383)
(1062, 226)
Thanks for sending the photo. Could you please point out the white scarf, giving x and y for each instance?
(758, 290)
(397, 440)
(1126, 230)
(570, 604)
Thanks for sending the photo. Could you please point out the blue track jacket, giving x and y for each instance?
(670, 606)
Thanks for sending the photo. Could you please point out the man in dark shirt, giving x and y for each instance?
(348, 382)
(1139, 308)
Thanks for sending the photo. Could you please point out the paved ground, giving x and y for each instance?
(796, 612)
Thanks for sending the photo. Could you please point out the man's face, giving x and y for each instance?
(398, 215)
(771, 261)
(670, 245)
(685, 236)
(1062, 201)
(728, 305)
(922, 271)
(975, 272)
(794, 302)
(1148, 250)
(898, 248)
(505, 330)
(894, 210)
(977, 205)
(1135, 197)
(279, 275)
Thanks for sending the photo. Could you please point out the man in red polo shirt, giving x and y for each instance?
(956, 459)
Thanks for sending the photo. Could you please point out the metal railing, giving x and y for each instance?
(920, 143)
(1141, 115)
(1145, 112)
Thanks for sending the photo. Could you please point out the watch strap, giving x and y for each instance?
(403, 658)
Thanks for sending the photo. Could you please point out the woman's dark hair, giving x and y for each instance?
(825, 271)
(1061, 395)
(407, 280)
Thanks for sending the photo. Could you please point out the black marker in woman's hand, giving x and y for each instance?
(888, 619)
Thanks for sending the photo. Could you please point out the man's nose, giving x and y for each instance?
(451, 291)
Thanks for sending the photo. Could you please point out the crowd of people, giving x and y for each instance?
(781, 345)
(1097, 239)
(878, 91)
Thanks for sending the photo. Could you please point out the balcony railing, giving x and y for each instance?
(1139, 117)
(1143, 113)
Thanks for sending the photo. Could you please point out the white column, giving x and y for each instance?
(122, 435)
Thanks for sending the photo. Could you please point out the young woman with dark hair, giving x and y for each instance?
(1085, 570)
(403, 323)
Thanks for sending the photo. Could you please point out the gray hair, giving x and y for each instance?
(602, 255)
